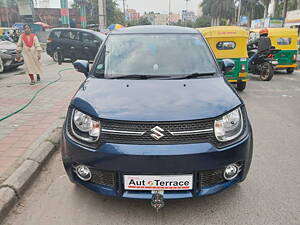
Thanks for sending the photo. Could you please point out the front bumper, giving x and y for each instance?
(116, 160)
(9, 61)
(286, 66)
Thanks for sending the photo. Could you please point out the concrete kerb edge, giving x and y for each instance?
(17, 183)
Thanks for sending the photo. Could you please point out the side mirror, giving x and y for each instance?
(82, 66)
(227, 65)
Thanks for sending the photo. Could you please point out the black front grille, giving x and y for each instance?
(146, 127)
(203, 179)
(103, 178)
(147, 139)
(211, 177)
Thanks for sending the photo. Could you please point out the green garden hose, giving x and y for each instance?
(35, 95)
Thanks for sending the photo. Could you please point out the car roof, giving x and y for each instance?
(155, 29)
(102, 36)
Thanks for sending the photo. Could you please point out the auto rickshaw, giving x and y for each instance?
(284, 39)
(230, 42)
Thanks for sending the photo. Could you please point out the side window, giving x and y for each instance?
(284, 41)
(226, 45)
(86, 37)
(64, 35)
(56, 34)
(100, 68)
(70, 35)
(74, 35)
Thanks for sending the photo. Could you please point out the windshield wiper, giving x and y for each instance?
(195, 75)
(137, 76)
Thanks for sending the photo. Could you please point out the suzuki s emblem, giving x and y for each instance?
(157, 133)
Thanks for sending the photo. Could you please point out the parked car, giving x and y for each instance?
(8, 55)
(156, 119)
(74, 43)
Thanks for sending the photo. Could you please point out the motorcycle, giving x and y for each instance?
(264, 64)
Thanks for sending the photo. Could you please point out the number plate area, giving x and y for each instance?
(158, 182)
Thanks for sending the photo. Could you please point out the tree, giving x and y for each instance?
(203, 21)
(141, 21)
(266, 5)
(114, 14)
(252, 10)
(218, 10)
(292, 5)
(285, 6)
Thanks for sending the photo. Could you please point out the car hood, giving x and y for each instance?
(155, 100)
(7, 45)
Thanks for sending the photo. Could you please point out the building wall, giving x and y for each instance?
(174, 18)
(8, 16)
(188, 16)
(51, 16)
(133, 14)
(157, 18)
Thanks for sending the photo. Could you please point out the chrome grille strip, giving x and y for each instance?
(175, 133)
(192, 132)
(120, 132)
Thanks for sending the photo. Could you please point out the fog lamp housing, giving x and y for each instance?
(83, 172)
(231, 171)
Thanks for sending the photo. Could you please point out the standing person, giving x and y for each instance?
(31, 50)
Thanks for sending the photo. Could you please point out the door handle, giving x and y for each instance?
(72, 47)
(86, 48)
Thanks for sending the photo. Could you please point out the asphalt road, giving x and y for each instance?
(270, 195)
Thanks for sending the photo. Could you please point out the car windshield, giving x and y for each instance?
(160, 55)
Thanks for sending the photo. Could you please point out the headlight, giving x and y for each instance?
(229, 126)
(86, 128)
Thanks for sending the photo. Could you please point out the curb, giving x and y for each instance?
(16, 184)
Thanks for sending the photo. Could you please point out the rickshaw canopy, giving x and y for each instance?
(227, 41)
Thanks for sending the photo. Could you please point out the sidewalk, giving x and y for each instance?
(31, 126)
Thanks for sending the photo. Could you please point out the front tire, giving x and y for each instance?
(1, 66)
(241, 85)
(56, 55)
(267, 72)
(290, 70)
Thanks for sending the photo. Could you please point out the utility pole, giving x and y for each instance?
(102, 14)
(187, 4)
(169, 18)
(7, 12)
(124, 10)
(298, 4)
(186, 12)
(239, 12)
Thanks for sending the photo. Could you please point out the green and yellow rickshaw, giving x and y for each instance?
(284, 39)
(230, 42)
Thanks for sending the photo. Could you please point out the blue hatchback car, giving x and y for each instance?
(156, 118)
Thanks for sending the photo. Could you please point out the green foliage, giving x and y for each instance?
(114, 14)
(141, 21)
(203, 21)
(292, 5)
(223, 9)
